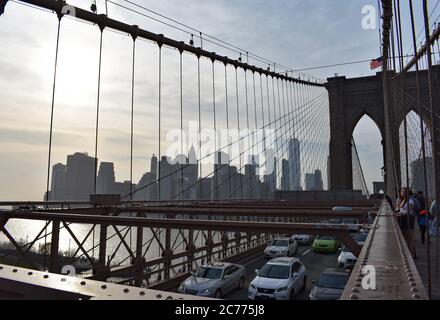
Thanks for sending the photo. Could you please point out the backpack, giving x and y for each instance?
(417, 205)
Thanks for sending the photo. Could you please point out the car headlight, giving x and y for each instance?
(207, 290)
(281, 289)
(253, 287)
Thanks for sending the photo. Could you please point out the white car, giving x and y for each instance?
(214, 280)
(303, 239)
(346, 259)
(281, 247)
(279, 279)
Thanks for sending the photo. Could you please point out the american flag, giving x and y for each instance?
(376, 63)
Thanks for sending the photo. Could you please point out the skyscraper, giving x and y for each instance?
(58, 183)
(285, 184)
(295, 165)
(309, 181)
(80, 177)
(319, 184)
(106, 178)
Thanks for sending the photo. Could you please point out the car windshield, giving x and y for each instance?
(208, 273)
(280, 243)
(326, 238)
(361, 236)
(275, 272)
(344, 249)
(334, 281)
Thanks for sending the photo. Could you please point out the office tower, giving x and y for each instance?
(295, 165)
(58, 183)
(309, 181)
(80, 179)
(153, 166)
(319, 184)
(285, 179)
(106, 178)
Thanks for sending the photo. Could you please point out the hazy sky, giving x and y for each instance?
(296, 33)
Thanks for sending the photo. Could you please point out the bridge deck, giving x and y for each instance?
(422, 266)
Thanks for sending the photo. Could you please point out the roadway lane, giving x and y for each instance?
(315, 263)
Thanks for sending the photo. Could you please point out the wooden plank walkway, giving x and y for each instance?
(422, 265)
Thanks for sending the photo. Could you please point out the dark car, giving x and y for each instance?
(330, 285)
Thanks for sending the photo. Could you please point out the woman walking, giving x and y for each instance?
(405, 213)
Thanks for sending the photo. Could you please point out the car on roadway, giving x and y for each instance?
(360, 237)
(303, 239)
(278, 279)
(330, 285)
(281, 247)
(326, 244)
(353, 224)
(346, 258)
(214, 280)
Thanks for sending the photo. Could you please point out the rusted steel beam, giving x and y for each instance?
(103, 21)
(208, 225)
(226, 212)
(257, 203)
(422, 51)
(21, 283)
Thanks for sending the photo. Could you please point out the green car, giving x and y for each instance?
(328, 244)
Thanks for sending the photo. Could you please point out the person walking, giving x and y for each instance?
(422, 216)
(405, 213)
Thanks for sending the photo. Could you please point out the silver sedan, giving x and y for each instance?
(214, 280)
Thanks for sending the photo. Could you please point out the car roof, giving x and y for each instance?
(283, 261)
(282, 238)
(217, 264)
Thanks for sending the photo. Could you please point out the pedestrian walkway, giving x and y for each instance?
(422, 264)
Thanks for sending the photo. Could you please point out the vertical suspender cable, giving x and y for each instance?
(134, 35)
(422, 130)
(257, 177)
(216, 154)
(276, 121)
(97, 109)
(264, 130)
(227, 129)
(269, 175)
(132, 117)
(402, 82)
(52, 108)
(160, 122)
(97, 126)
(181, 123)
(249, 193)
(51, 130)
(199, 133)
(238, 127)
(434, 128)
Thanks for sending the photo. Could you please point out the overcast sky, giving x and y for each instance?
(296, 33)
